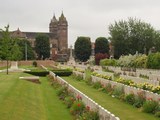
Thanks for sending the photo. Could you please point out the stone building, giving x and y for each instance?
(58, 37)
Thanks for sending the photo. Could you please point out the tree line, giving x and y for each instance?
(125, 37)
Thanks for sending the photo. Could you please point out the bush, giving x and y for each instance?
(157, 114)
(62, 92)
(97, 85)
(153, 61)
(77, 108)
(69, 101)
(90, 115)
(37, 72)
(100, 56)
(108, 62)
(141, 61)
(118, 91)
(34, 63)
(150, 106)
(130, 98)
(108, 88)
(139, 100)
(62, 72)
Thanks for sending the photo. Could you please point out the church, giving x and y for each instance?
(58, 37)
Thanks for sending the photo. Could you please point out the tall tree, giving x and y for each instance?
(130, 36)
(101, 49)
(7, 46)
(42, 46)
(101, 45)
(26, 48)
(82, 48)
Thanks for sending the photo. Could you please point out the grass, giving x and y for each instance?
(24, 100)
(123, 110)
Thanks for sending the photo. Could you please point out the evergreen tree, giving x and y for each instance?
(82, 48)
(42, 46)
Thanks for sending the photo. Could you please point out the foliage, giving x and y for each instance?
(100, 56)
(133, 35)
(127, 61)
(140, 61)
(153, 61)
(101, 45)
(9, 50)
(69, 100)
(37, 72)
(62, 72)
(118, 92)
(108, 62)
(42, 46)
(144, 76)
(25, 44)
(34, 63)
(89, 115)
(130, 98)
(139, 99)
(97, 85)
(82, 48)
(62, 92)
(77, 108)
(150, 106)
(157, 114)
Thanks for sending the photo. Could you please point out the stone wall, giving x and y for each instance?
(127, 89)
(46, 63)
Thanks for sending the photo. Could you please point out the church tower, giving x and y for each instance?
(53, 26)
(62, 34)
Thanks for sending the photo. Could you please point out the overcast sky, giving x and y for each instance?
(85, 17)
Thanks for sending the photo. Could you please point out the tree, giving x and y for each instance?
(100, 56)
(42, 46)
(82, 48)
(101, 45)
(23, 44)
(9, 50)
(130, 36)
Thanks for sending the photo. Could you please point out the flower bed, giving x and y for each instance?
(92, 105)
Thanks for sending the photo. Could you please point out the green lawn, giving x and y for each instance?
(24, 100)
(123, 110)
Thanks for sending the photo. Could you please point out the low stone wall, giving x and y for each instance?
(141, 80)
(103, 113)
(127, 89)
(46, 63)
(4, 63)
(79, 74)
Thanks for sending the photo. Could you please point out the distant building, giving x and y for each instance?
(58, 37)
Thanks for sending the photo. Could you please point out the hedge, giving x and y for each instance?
(62, 72)
(37, 72)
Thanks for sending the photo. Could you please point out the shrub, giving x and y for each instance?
(100, 56)
(34, 63)
(139, 100)
(62, 92)
(97, 85)
(108, 88)
(157, 114)
(153, 61)
(141, 61)
(118, 91)
(62, 72)
(130, 98)
(37, 72)
(69, 100)
(77, 108)
(108, 62)
(150, 106)
(89, 115)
